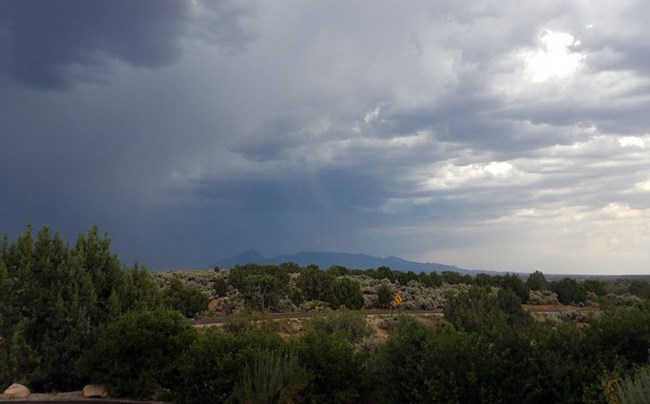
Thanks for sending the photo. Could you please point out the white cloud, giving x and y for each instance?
(627, 141)
(452, 176)
(554, 59)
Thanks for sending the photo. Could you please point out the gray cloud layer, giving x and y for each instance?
(506, 136)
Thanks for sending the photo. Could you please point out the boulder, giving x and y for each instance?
(17, 391)
(95, 391)
(214, 305)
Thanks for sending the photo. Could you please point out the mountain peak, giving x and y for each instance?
(327, 259)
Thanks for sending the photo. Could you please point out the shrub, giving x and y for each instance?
(351, 324)
(474, 310)
(261, 285)
(336, 372)
(635, 389)
(346, 292)
(220, 287)
(569, 291)
(621, 336)
(543, 297)
(212, 365)
(599, 288)
(515, 284)
(314, 283)
(400, 364)
(640, 288)
(137, 354)
(272, 377)
(54, 297)
(184, 299)
(536, 281)
(296, 297)
(384, 295)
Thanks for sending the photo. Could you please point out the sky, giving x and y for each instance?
(502, 135)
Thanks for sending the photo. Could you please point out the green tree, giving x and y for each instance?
(595, 286)
(211, 367)
(60, 296)
(336, 371)
(476, 310)
(510, 305)
(514, 283)
(401, 367)
(349, 323)
(452, 277)
(621, 336)
(401, 277)
(569, 291)
(425, 279)
(436, 279)
(640, 288)
(137, 355)
(338, 270)
(482, 279)
(184, 299)
(220, 287)
(314, 283)
(346, 292)
(261, 285)
(384, 295)
(384, 272)
(537, 281)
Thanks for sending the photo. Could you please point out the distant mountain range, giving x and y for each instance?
(325, 260)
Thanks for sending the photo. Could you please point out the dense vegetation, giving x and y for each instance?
(74, 314)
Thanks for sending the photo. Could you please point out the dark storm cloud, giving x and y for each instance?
(411, 128)
(53, 44)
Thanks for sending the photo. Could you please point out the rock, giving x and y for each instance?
(95, 391)
(214, 305)
(17, 391)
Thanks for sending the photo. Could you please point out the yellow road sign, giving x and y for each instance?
(398, 299)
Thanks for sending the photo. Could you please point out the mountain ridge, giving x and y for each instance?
(325, 259)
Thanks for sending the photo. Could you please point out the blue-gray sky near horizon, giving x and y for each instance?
(490, 135)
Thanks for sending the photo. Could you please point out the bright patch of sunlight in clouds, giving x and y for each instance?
(454, 176)
(627, 141)
(554, 58)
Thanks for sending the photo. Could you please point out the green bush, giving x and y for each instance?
(137, 355)
(184, 299)
(296, 297)
(640, 288)
(351, 324)
(261, 285)
(272, 377)
(599, 288)
(212, 365)
(569, 291)
(220, 287)
(384, 295)
(620, 336)
(401, 374)
(314, 283)
(537, 281)
(635, 389)
(336, 372)
(346, 292)
(475, 310)
(515, 284)
(53, 299)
